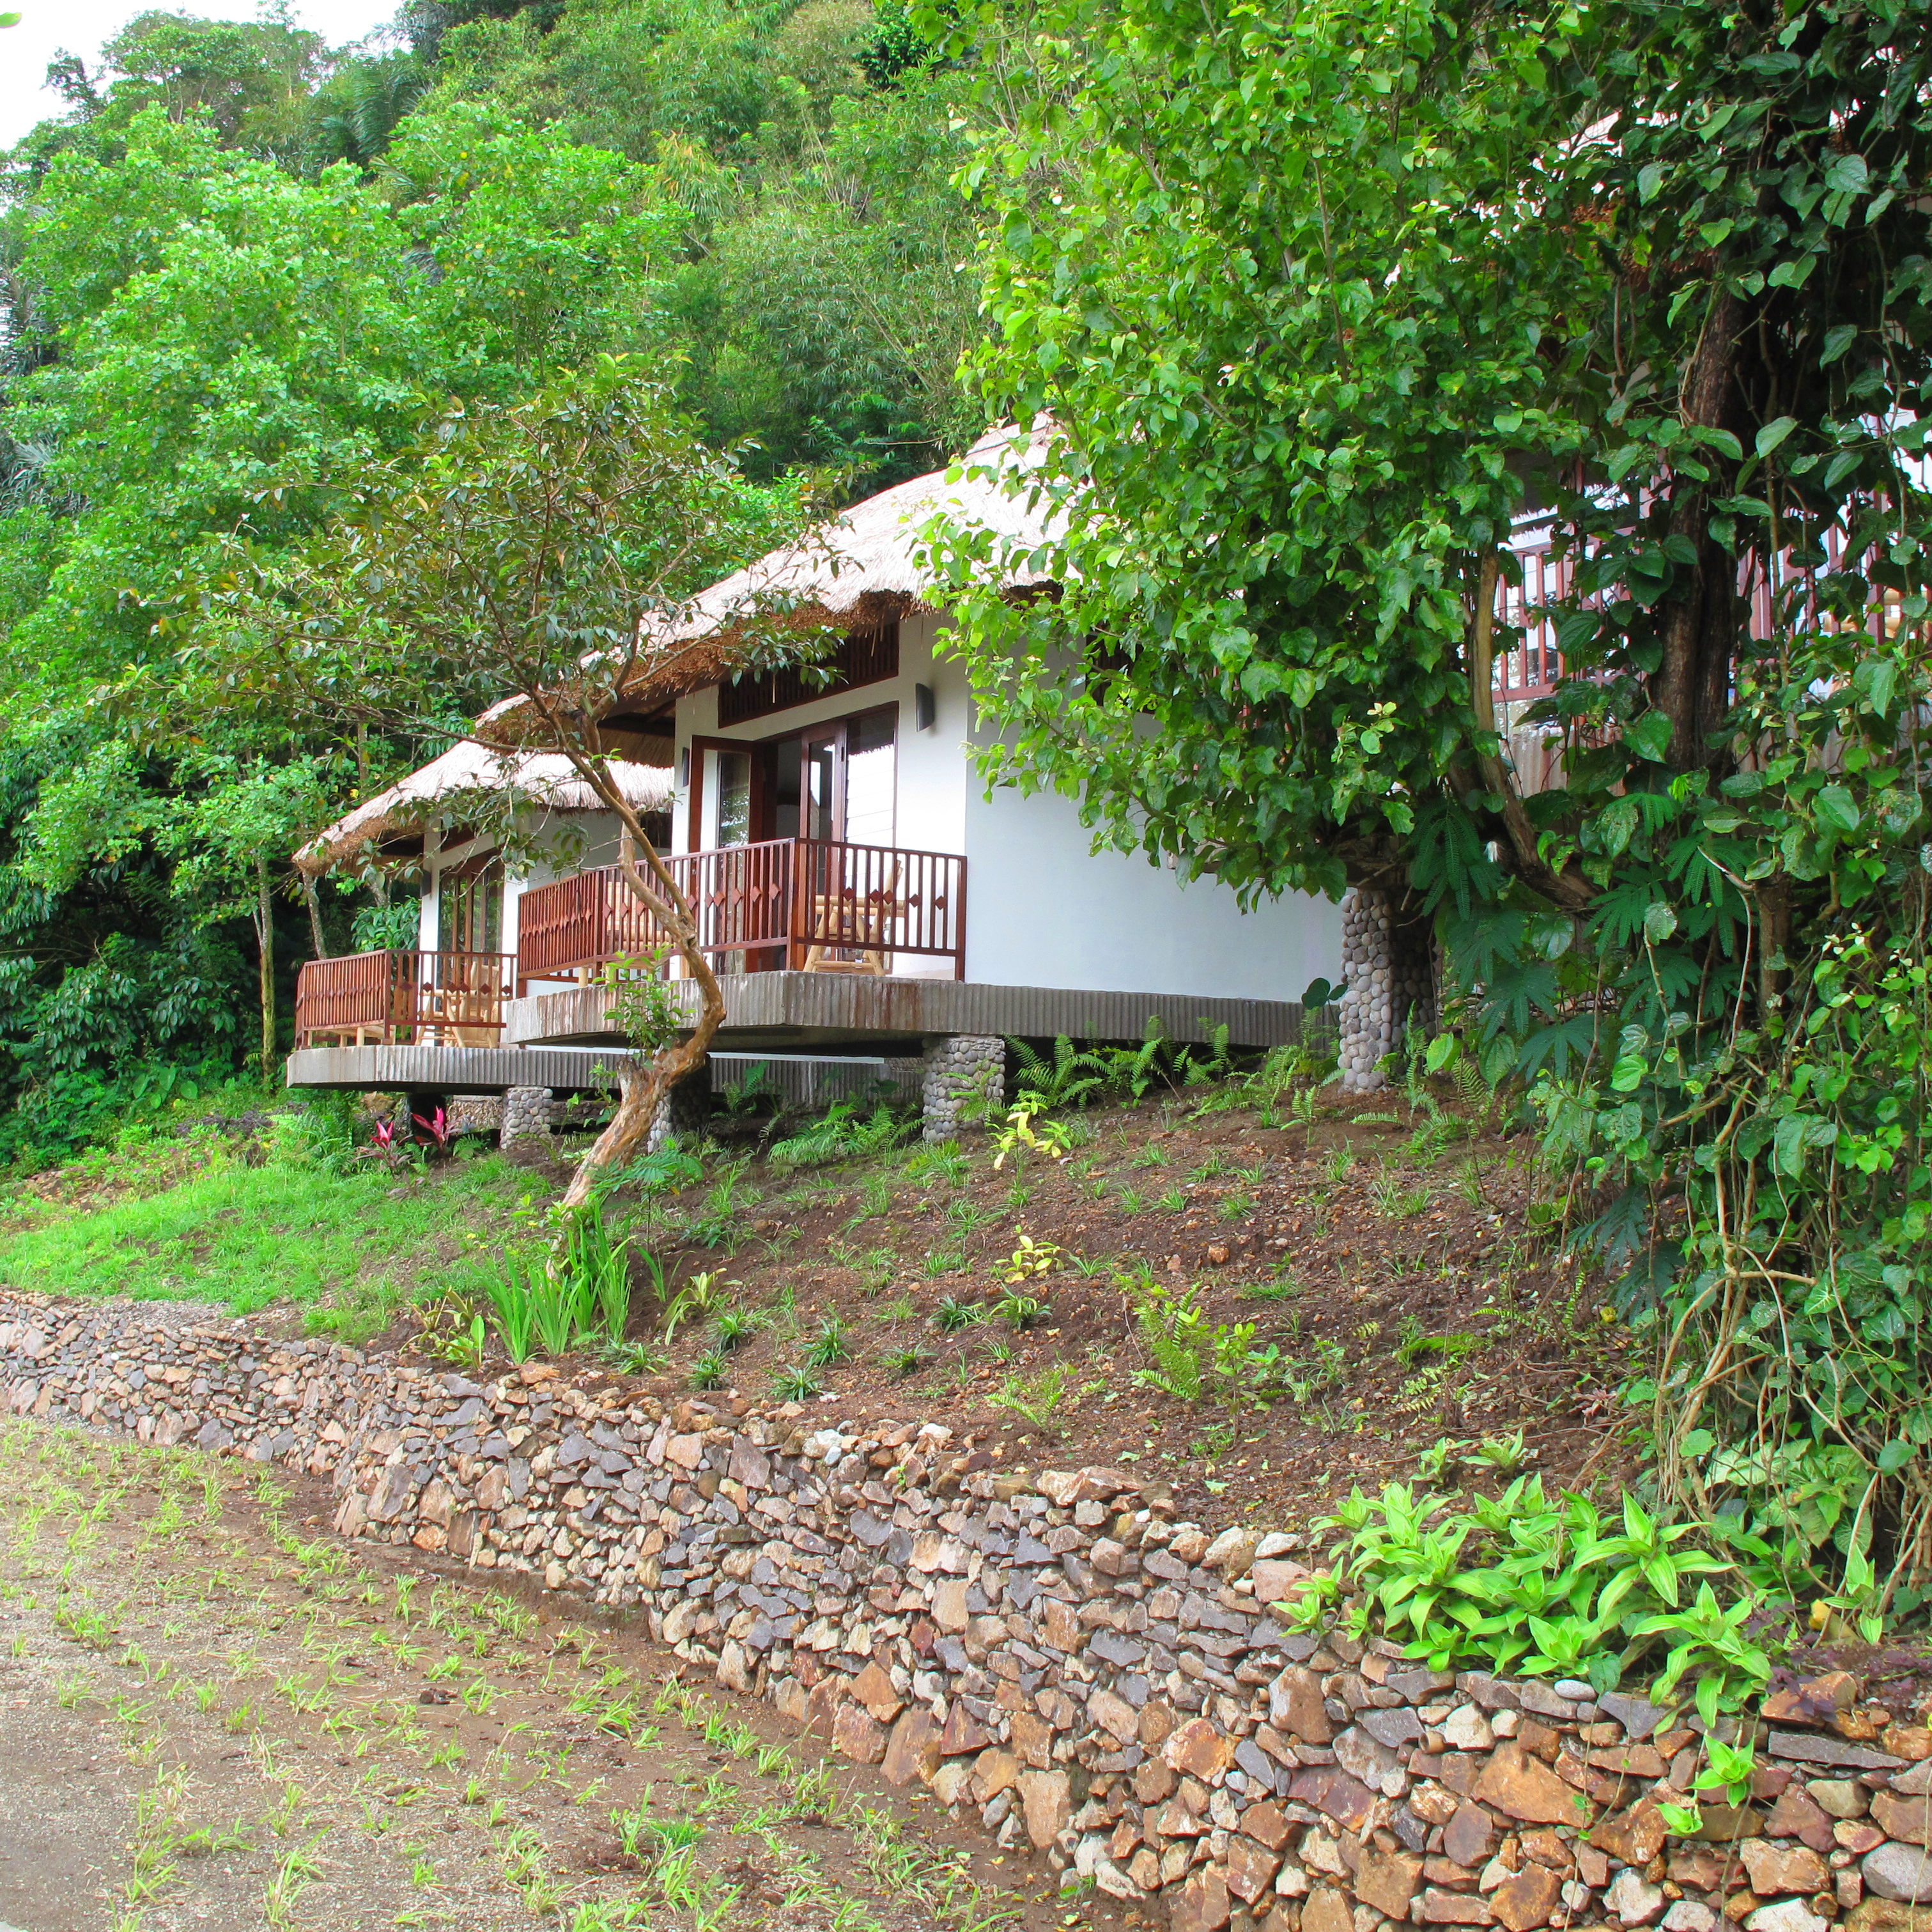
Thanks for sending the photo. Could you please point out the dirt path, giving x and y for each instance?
(213, 1715)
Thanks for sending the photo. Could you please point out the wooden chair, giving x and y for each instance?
(853, 922)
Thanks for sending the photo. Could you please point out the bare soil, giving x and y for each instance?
(216, 1715)
(1390, 1260)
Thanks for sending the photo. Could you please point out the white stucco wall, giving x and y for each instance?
(1043, 909)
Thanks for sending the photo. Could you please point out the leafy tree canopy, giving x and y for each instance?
(1325, 300)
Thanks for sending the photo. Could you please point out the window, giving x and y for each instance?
(469, 907)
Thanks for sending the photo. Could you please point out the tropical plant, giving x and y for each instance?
(1688, 353)
(841, 1134)
(1541, 1589)
(1025, 1133)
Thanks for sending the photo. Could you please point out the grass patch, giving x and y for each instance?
(251, 1236)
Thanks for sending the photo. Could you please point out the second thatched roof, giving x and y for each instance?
(547, 781)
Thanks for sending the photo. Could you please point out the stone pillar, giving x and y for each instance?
(526, 1128)
(685, 1111)
(1385, 966)
(964, 1082)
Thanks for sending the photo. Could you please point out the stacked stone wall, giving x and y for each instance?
(1052, 1653)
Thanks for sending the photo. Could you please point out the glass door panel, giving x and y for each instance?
(869, 776)
(821, 789)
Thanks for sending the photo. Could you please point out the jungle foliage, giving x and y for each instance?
(244, 272)
(1326, 299)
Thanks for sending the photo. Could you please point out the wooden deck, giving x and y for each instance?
(800, 1012)
(564, 1041)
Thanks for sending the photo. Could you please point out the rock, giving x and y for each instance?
(1202, 1906)
(1884, 1915)
(1064, 1489)
(1857, 1837)
(1632, 1901)
(963, 1733)
(1197, 1749)
(1636, 1836)
(912, 1750)
(1276, 1580)
(951, 1781)
(1452, 1908)
(858, 1734)
(1638, 1715)
(1465, 1838)
(1232, 1553)
(1775, 1869)
(1361, 1756)
(1916, 1782)
(994, 1770)
(1839, 1797)
(1337, 1794)
(874, 1689)
(1115, 1715)
(1251, 1867)
(1327, 1910)
(1575, 1689)
(1912, 1742)
(1265, 1823)
(1812, 1700)
(1796, 1816)
(1466, 1729)
(1805, 1748)
(1528, 1899)
(1049, 1803)
(1788, 1915)
(1901, 1872)
(949, 1603)
(1295, 1706)
(1909, 1819)
(1688, 1915)
(1393, 1729)
(1524, 1787)
(1387, 1881)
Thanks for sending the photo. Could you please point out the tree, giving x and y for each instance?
(537, 554)
(1325, 299)
(232, 837)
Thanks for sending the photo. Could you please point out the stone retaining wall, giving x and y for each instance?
(1052, 1653)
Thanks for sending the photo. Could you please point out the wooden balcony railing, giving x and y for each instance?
(812, 905)
(403, 998)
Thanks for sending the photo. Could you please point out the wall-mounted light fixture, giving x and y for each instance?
(684, 768)
(925, 707)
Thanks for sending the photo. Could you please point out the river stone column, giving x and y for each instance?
(1386, 966)
(526, 1128)
(685, 1111)
(1368, 1027)
(964, 1084)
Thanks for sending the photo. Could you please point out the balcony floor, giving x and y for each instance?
(836, 1012)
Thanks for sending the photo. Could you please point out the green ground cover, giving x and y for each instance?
(345, 1246)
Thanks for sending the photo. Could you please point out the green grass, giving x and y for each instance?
(348, 1245)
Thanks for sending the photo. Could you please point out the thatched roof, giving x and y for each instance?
(546, 780)
(862, 570)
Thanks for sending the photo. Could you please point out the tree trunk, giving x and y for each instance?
(641, 1089)
(265, 945)
(312, 900)
(1691, 686)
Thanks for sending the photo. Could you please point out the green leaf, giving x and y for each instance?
(1649, 736)
(1848, 174)
(1774, 433)
(1659, 922)
(1836, 341)
(1836, 810)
